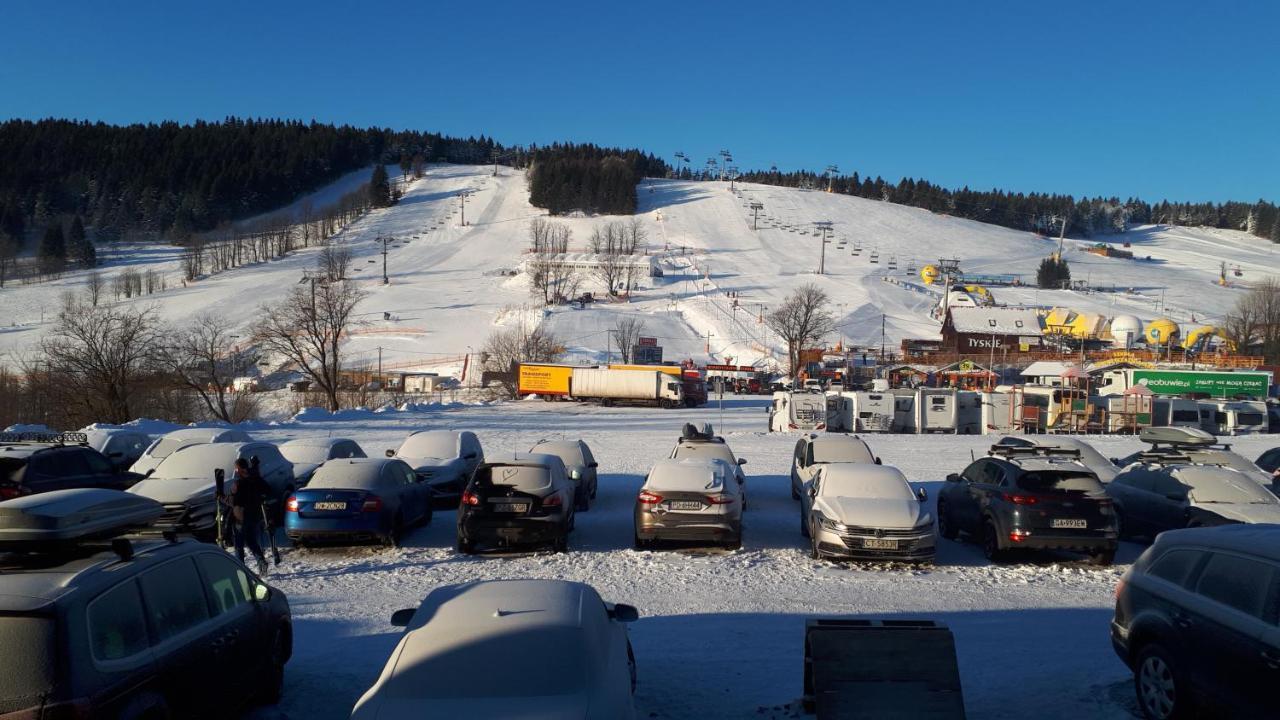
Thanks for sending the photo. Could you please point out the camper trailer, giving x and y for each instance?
(839, 412)
(860, 412)
(1175, 412)
(968, 412)
(1233, 417)
(998, 413)
(798, 410)
(904, 410)
(936, 411)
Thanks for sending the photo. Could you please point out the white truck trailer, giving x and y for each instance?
(626, 386)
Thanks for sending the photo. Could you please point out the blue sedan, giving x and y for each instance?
(358, 499)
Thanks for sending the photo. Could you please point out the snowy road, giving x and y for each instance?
(720, 635)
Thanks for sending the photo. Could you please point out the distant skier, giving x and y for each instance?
(246, 511)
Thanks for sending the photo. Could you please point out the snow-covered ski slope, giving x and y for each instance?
(446, 292)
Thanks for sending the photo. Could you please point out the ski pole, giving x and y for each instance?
(219, 487)
(271, 534)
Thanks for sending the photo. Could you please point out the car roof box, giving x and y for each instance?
(1176, 436)
(45, 520)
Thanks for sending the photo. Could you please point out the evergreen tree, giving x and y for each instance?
(1053, 273)
(380, 187)
(79, 247)
(1275, 229)
(52, 252)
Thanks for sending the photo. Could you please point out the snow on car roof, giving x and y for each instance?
(442, 444)
(197, 461)
(865, 481)
(690, 474)
(312, 442)
(356, 473)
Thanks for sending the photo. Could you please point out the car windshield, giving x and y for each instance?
(430, 445)
(30, 640)
(521, 477)
(835, 452)
(570, 453)
(352, 477)
(305, 453)
(875, 486)
(1220, 488)
(1055, 481)
(166, 446)
(718, 451)
(198, 461)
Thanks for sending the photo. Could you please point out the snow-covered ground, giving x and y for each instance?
(721, 632)
(446, 294)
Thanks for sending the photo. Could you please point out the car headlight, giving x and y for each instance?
(925, 524)
(829, 524)
(575, 474)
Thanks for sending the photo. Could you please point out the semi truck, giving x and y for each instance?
(547, 381)
(693, 387)
(1223, 384)
(627, 386)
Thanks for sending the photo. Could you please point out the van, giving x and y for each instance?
(1233, 417)
(801, 410)
(968, 412)
(1175, 412)
(936, 411)
(997, 413)
(904, 410)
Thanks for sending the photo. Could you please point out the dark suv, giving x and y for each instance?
(1198, 621)
(129, 629)
(1033, 498)
(39, 462)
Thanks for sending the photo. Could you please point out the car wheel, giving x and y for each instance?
(642, 544)
(560, 544)
(1159, 685)
(466, 547)
(991, 543)
(795, 494)
(582, 502)
(804, 524)
(273, 683)
(946, 528)
(735, 543)
(813, 545)
(396, 534)
(1103, 557)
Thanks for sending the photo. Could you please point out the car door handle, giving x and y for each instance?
(1182, 621)
(1271, 659)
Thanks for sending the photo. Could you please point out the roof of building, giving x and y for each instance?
(1045, 368)
(995, 320)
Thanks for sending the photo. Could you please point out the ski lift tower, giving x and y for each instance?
(675, 168)
(728, 158)
(949, 269)
(831, 176)
(756, 207)
(823, 227)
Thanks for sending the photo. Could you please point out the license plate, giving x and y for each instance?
(879, 544)
(330, 506)
(509, 533)
(685, 505)
(1069, 523)
(511, 507)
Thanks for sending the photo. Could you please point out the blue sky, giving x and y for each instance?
(1166, 99)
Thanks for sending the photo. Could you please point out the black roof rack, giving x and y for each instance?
(690, 433)
(1012, 451)
(1179, 455)
(44, 438)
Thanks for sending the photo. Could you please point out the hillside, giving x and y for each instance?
(446, 292)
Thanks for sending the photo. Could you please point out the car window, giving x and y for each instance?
(992, 474)
(226, 582)
(30, 646)
(1176, 565)
(1136, 479)
(67, 463)
(174, 599)
(973, 473)
(117, 626)
(1053, 481)
(98, 465)
(1236, 582)
(1168, 486)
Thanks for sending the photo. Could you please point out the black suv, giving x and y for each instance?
(127, 629)
(1034, 498)
(1198, 621)
(39, 462)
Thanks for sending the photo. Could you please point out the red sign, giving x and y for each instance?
(647, 342)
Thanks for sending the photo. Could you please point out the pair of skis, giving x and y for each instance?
(220, 493)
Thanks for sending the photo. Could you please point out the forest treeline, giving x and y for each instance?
(568, 177)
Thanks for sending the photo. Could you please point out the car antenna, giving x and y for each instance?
(972, 457)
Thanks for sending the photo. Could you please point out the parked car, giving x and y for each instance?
(520, 499)
(706, 444)
(865, 512)
(100, 626)
(1098, 464)
(358, 499)
(184, 483)
(1027, 499)
(1269, 461)
(580, 464)
(169, 443)
(1150, 499)
(815, 451)
(121, 446)
(694, 498)
(556, 648)
(33, 463)
(1190, 446)
(307, 454)
(1196, 619)
(444, 459)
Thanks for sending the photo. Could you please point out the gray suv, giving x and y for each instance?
(130, 629)
(1197, 619)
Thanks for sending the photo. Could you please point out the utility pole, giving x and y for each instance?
(462, 198)
(495, 155)
(756, 207)
(381, 384)
(825, 227)
(708, 346)
(608, 348)
(384, 241)
(733, 175)
(313, 277)
(882, 316)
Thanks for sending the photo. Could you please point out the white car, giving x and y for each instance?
(1089, 456)
(444, 459)
(509, 649)
(707, 445)
(307, 454)
(866, 512)
(122, 446)
(169, 443)
(184, 482)
(813, 451)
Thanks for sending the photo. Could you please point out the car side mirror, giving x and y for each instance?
(879, 461)
(147, 474)
(261, 592)
(391, 453)
(594, 465)
(742, 461)
(953, 478)
(922, 495)
(624, 613)
(402, 618)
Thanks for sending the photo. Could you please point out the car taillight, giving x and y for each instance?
(1019, 499)
(553, 501)
(470, 498)
(647, 498)
(1019, 535)
(291, 504)
(9, 492)
(371, 504)
(822, 426)
(793, 426)
(1119, 588)
(719, 499)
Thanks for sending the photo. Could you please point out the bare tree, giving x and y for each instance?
(93, 286)
(8, 255)
(202, 357)
(627, 332)
(99, 357)
(801, 320)
(308, 327)
(507, 347)
(634, 237)
(334, 260)
(1254, 323)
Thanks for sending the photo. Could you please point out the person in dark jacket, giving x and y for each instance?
(251, 490)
